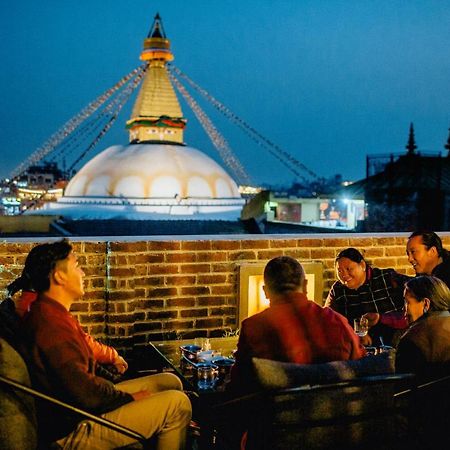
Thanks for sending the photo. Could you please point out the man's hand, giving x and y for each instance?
(365, 340)
(140, 395)
(372, 318)
(120, 364)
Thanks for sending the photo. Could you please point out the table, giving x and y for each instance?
(171, 349)
(164, 356)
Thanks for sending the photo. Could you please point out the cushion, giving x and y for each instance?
(9, 322)
(17, 411)
(278, 375)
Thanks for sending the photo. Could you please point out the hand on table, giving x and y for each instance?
(365, 340)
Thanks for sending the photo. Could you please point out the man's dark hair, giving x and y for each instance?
(431, 239)
(41, 261)
(23, 283)
(283, 274)
(433, 288)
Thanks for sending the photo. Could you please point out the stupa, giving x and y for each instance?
(156, 176)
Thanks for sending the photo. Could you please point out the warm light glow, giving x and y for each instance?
(249, 189)
(257, 300)
(252, 298)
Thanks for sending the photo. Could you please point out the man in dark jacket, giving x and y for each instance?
(63, 365)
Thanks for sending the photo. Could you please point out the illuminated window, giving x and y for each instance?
(251, 294)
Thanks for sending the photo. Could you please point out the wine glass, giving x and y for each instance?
(361, 326)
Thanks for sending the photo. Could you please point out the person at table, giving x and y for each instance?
(365, 290)
(293, 328)
(63, 365)
(103, 354)
(428, 256)
(424, 348)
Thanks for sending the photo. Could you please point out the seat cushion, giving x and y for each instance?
(17, 410)
(278, 375)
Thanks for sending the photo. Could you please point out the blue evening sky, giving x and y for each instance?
(328, 81)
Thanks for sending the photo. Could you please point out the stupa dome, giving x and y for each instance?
(152, 171)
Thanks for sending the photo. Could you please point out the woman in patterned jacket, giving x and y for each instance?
(365, 290)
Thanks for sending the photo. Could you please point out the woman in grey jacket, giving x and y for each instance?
(424, 348)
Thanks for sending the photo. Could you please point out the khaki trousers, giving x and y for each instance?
(164, 416)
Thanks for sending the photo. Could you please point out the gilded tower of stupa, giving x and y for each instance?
(157, 114)
(155, 176)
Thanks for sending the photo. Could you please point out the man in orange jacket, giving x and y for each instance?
(293, 329)
(63, 365)
(104, 354)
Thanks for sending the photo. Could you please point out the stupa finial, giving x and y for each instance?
(156, 45)
(411, 145)
(157, 30)
(447, 145)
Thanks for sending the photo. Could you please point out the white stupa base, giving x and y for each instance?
(143, 209)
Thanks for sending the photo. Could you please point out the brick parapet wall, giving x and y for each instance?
(168, 288)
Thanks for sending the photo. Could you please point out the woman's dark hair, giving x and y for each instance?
(39, 264)
(433, 288)
(431, 239)
(352, 254)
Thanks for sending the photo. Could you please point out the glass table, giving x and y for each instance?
(165, 356)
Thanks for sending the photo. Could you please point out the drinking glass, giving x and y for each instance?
(361, 326)
(206, 376)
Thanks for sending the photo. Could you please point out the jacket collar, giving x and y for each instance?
(46, 299)
(431, 314)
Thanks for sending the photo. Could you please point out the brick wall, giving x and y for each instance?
(162, 288)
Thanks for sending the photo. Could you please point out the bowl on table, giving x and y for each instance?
(207, 355)
(188, 358)
(224, 366)
(190, 351)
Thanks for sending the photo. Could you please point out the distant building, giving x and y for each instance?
(279, 212)
(37, 185)
(43, 176)
(406, 192)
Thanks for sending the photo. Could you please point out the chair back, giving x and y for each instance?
(18, 426)
(355, 414)
(18, 418)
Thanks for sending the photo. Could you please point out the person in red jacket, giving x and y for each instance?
(293, 329)
(104, 354)
(63, 365)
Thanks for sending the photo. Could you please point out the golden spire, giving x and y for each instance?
(156, 115)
